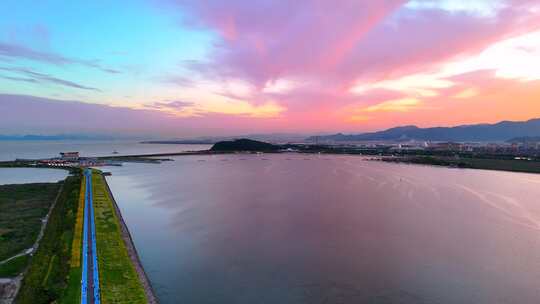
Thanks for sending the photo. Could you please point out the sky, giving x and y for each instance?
(186, 68)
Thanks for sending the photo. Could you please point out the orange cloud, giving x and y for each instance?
(398, 105)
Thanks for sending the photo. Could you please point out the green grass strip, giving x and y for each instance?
(14, 267)
(46, 279)
(119, 281)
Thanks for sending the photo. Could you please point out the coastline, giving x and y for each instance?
(132, 252)
(504, 165)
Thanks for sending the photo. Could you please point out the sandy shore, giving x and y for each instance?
(132, 251)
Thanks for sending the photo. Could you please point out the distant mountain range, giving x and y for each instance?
(502, 131)
(56, 137)
(510, 131)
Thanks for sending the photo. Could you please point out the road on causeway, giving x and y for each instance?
(90, 293)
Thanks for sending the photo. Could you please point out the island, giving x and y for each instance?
(244, 145)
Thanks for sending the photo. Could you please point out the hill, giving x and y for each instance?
(244, 145)
(501, 131)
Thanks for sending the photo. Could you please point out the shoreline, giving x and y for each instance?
(132, 251)
(451, 159)
(477, 163)
(501, 165)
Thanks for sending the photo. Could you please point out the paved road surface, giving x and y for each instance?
(90, 293)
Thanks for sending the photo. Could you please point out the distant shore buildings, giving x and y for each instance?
(69, 156)
(73, 159)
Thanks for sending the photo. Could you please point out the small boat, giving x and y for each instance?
(115, 152)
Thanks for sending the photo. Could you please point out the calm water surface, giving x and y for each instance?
(10, 150)
(31, 175)
(331, 229)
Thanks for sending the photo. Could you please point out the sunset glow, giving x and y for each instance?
(189, 68)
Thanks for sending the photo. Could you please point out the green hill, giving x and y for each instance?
(244, 145)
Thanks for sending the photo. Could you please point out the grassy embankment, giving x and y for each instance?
(47, 277)
(118, 279)
(55, 270)
(21, 209)
(72, 294)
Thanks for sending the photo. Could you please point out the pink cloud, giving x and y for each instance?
(416, 41)
(326, 47)
(264, 40)
(332, 44)
(271, 39)
(323, 47)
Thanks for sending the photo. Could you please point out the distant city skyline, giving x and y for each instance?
(185, 68)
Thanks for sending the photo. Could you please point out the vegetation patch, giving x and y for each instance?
(527, 166)
(72, 294)
(14, 267)
(47, 277)
(244, 145)
(119, 282)
(22, 208)
(77, 238)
